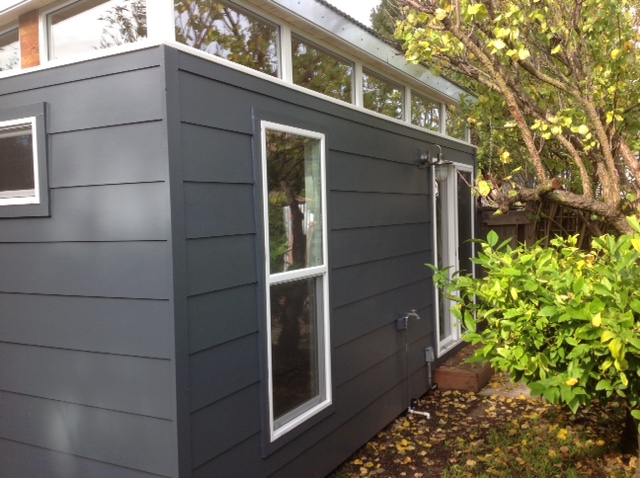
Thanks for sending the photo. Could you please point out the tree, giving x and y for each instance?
(557, 100)
(563, 320)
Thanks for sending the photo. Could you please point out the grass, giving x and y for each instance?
(495, 436)
(549, 445)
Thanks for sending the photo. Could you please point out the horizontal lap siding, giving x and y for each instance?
(86, 321)
(379, 213)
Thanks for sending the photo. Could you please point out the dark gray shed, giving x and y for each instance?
(136, 335)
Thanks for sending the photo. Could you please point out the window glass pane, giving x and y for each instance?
(321, 71)
(425, 112)
(295, 201)
(90, 25)
(382, 96)
(295, 350)
(17, 177)
(456, 125)
(10, 50)
(465, 220)
(219, 29)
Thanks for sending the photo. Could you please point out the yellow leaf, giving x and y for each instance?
(523, 54)
(483, 188)
(471, 463)
(596, 321)
(571, 382)
(357, 462)
(616, 53)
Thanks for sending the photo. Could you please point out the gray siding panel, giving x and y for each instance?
(77, 72)
(97, 380)
(350, 172)
(208, 207)
(220, 263)
(357, 246)
(214, 155)
(222, 425)
(128, 97)
(86, 328)
(18, 460)
(129, 153)
(376, 278)
(107, 213)
(222, 316)
(127, 440)
(356, 319)
(223, 370)
(118, 326)
(128, 269)
(349, 210)
(213, 109)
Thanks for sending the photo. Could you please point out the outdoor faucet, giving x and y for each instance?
(403, 322)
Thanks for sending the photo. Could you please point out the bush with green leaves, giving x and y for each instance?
(563, 320)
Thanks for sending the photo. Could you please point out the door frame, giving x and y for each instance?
(448, 257)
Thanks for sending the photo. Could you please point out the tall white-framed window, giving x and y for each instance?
(454, 213)
(297, 294)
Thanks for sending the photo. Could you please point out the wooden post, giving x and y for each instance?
(29, 39)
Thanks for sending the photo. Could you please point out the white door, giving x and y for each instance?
(454, 225)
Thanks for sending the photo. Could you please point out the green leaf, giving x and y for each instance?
(604, 385)
(492, 238)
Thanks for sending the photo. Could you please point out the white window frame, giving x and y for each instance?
(27, 196)
(293, 419)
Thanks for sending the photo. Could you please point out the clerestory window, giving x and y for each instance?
(88, 25)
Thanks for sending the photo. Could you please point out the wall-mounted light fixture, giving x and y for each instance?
(440, 166)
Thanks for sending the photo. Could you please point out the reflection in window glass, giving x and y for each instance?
(425, 112)
(381, 95)
(295, 201)
(90, 25)
(10, 50)
(219, 29)
(17, 170)
(456, 124)
(321, 71)
(294, 341)
(298, 331)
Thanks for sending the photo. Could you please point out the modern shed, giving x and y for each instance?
(212, 216)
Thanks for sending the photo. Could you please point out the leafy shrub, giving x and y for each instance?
(563, 320)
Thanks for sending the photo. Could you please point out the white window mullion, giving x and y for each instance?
(358, 84)
(286, 66)
(160, 22)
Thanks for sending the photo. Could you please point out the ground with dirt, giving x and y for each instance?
(464, 422)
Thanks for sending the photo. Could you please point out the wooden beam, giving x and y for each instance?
(29, 39)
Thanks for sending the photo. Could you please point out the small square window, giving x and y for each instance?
(18, 164)
(23, 165)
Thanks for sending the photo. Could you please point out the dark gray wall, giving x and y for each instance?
(86, 330)
(380, 237)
